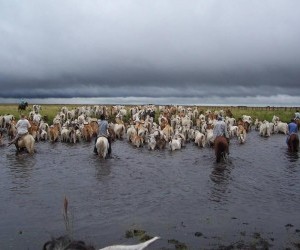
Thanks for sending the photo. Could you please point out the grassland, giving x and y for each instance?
(262, 113)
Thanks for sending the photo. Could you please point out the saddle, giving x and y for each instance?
(105, 136)
(21, 137)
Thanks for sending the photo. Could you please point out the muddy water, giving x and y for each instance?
(181, 196)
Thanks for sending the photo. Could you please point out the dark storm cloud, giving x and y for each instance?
(149, 48)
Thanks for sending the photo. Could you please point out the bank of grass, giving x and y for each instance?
(262, 113)
(285, 114)
(48, 111)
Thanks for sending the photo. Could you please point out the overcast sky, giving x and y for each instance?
(202, 51)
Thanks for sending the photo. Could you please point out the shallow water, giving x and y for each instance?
(182, 195)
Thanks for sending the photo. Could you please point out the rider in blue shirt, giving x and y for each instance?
(103, 131)
(293, 129)
(220, 128)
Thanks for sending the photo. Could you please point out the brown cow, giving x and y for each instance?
(34, 130)
(160, 143)
(95, 126)
(11, 129)
(168, 131)
(54, 132)
(137, 140)
(245, 124)
(87, 132)
(241, 133)
(111, 133)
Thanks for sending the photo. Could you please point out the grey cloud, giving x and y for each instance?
(149, 49)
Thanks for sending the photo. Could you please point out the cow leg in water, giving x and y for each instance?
(109, 145)
(227, 139)
(95, 149)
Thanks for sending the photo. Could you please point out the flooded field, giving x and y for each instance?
(250, 201)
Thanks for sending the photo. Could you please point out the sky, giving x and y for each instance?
(233, 52)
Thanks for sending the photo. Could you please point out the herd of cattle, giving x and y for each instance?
(156, 127)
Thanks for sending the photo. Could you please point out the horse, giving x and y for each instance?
(22, 106)
(221, 147)
(293, 143)
(102, 146)
(298, 123)
(26, 142)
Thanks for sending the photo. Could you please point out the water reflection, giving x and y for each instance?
(102, 171)
(221, 178)
(21, 168)
(292, 156)
(102, 166)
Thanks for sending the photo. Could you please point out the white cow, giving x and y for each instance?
(233, 131)
(209, 137)
(199, 139)
(119, 130)
(71, 114)
(151, 142)
(265, 129)
(64, 135)
(202, 117)
(36, 108)
(275, 119)
(230, 121)
(191, 135)
(175, 144)
(247, 118)
(203, 127)
(6, 120)
(257, 124)
(64, 109)
(131, 131)
(186, 122)
(182, 136)
(37, 118)
(43, 135)
(272, 127)
(281, 127)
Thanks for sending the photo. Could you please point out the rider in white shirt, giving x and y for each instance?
(297, 115)
(22, 128)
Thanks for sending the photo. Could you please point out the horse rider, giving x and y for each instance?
(22, 127)
(220, 128)
(297, 115)
(292, 129)
(103, 131)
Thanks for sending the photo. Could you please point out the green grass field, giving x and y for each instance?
(262, 113)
